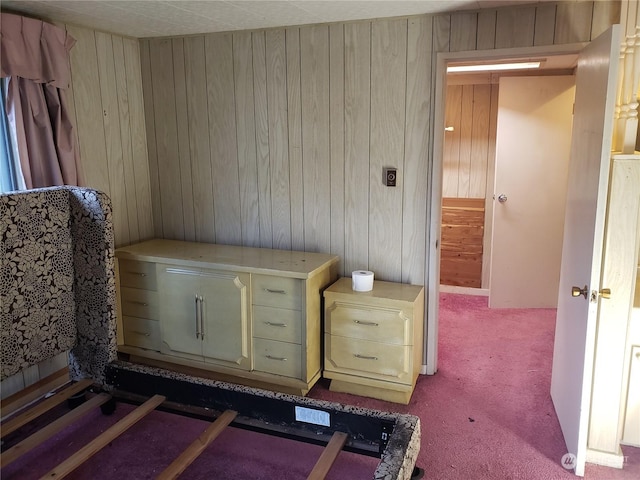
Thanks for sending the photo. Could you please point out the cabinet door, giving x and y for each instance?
(226, 326)
(178, 288)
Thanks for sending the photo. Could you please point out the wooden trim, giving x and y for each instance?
(192, 452)
(93, 447)
(328, 457)
(33, 392)
(51, 429)
(51, 402)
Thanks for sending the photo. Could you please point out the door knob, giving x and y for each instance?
(502, 198)
(577, 291)
(605, 293)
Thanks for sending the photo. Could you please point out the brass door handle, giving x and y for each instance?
(577, 291)
(605, 292)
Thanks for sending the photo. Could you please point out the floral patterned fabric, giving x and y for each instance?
(57, 281)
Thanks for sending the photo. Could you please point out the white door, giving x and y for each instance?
(533, 145)
(583, 239)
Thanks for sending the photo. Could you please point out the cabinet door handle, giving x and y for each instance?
(270, 290)
(370, 324)
(364, 357)
(201, 317)
(271, 324)
(197, 317)
(271, 357)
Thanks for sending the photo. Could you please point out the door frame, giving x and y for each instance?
(434, 206)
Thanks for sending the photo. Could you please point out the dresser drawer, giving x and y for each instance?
(141, 332)
(378, 324)
(280, 292)
(277, 324)
(137, 274)
(139, 303)
(279, 358)
(370, 359)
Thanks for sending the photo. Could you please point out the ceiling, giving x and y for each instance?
(157, 18)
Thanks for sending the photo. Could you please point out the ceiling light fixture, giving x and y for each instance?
(492, 67)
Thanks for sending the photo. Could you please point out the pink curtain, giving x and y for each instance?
(35, 55)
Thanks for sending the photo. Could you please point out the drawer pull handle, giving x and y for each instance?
(135, 302)
(271, 357)
(271, 324)
(370, 324)
(270, 290)
(364, 357)
(140, 274)
(144, 334)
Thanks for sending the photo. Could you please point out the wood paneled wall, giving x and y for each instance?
(469, 148)
(278, 139)
(106, 96)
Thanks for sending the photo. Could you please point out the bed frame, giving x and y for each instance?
(392, 437)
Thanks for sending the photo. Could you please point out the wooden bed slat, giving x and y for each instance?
(50, 430)
(328, 457)
(43, 407)
(192, 452)
(93, 447)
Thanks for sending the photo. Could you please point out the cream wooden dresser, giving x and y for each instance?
(373, 340)
(249, 315)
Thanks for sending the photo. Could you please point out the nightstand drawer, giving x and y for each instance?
(277, 324)
(137, 274)
(143, 333)
(280, 292)
(279, 358)
(370, 359)
(139, 303)
(367, 322)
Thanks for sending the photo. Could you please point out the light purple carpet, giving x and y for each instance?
(486, 414)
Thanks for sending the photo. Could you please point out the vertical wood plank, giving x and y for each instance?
(605, 14)
(137, 133)
(486, 30)
(222, 135)
(388, 82)
(515, 27)
(356, 143)
(113, 143)
(466, 128)
(417, 128)
(199, 147)
(246, 132)
(545, 27)
(128, 179)
(441, 33)
(86, 91)
(314, 69)
(479, 141)
(336, 140)
(294, 107)
(451, 147)
(166, 138)
(278, 138)
(573, 22)
(152, 151)
(182, 130)
(464, 30)
(262, 137)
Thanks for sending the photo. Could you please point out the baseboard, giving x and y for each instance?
(606, 459)
(483, 292)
